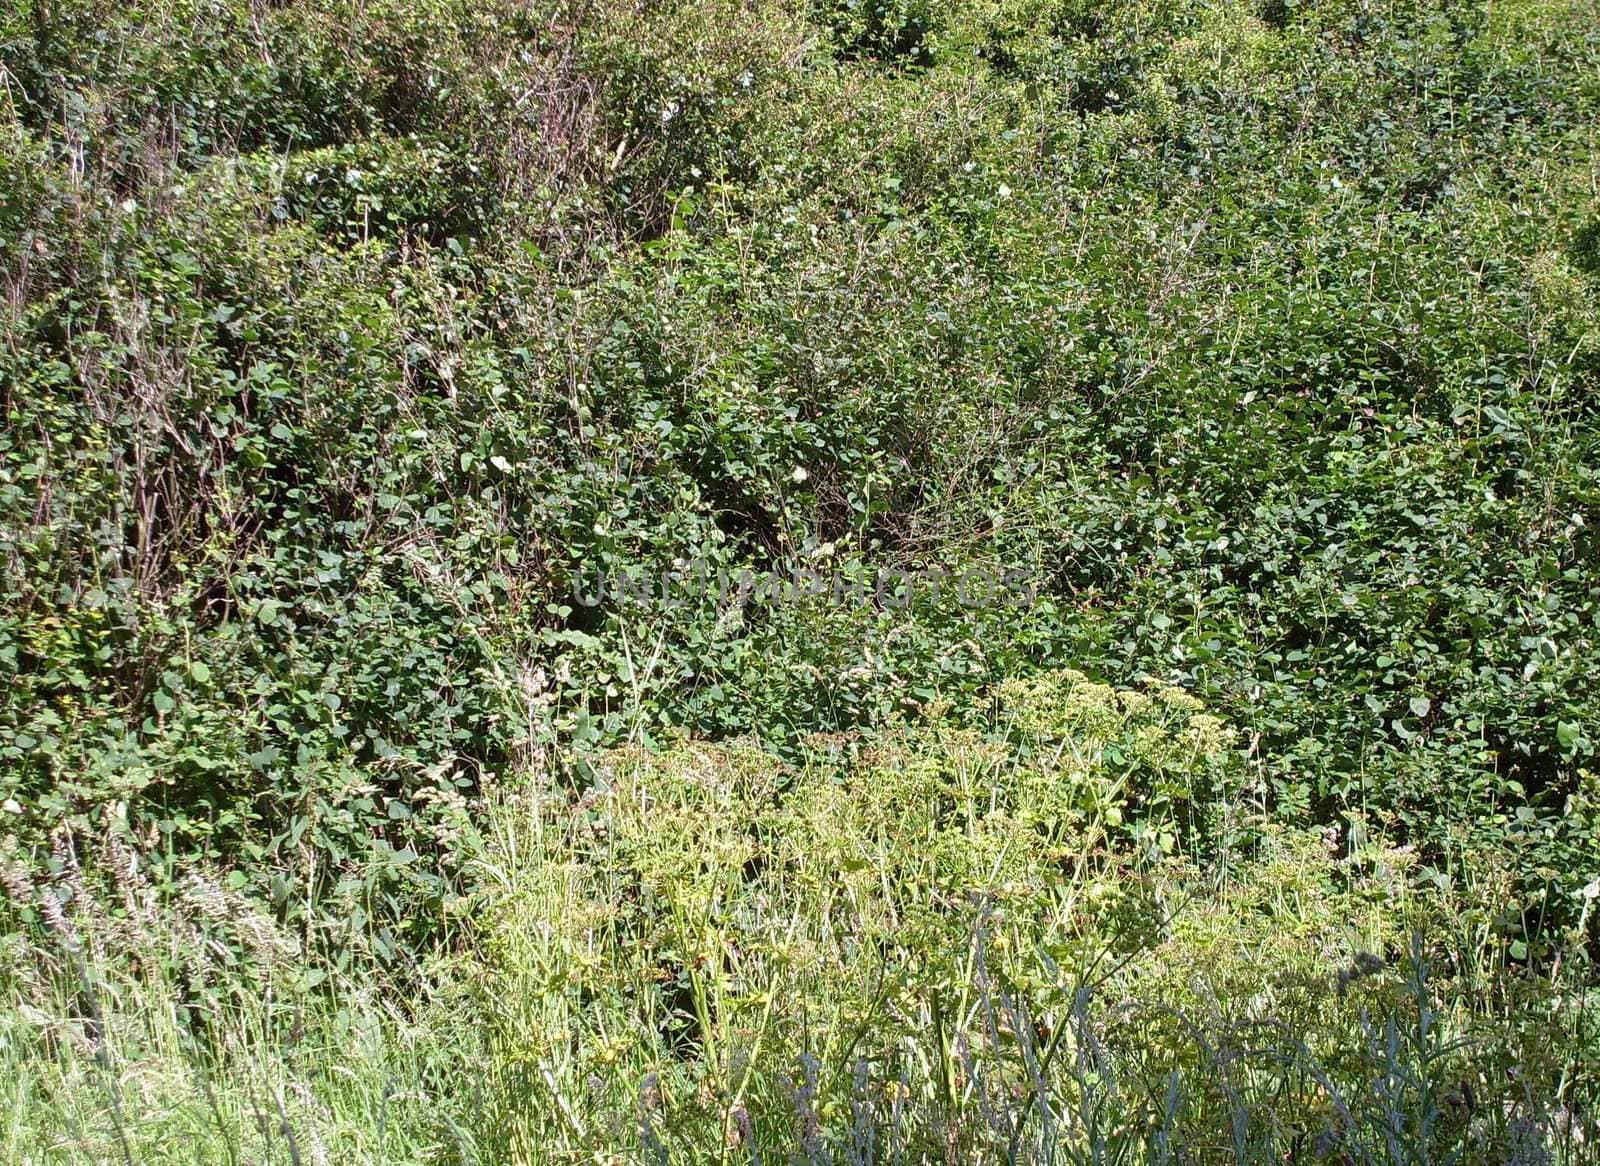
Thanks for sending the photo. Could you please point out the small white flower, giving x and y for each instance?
(1005, 191)
(799, 474)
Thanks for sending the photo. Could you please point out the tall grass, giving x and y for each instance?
(189, 1027)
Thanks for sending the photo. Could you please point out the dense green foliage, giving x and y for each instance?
(338, 338)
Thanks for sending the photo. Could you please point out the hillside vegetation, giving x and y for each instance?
(1177, 427)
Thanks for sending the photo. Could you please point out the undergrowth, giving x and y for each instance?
(346, 348)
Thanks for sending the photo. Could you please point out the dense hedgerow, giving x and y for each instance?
(339, 338)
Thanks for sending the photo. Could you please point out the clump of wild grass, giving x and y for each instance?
(143, 1023)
